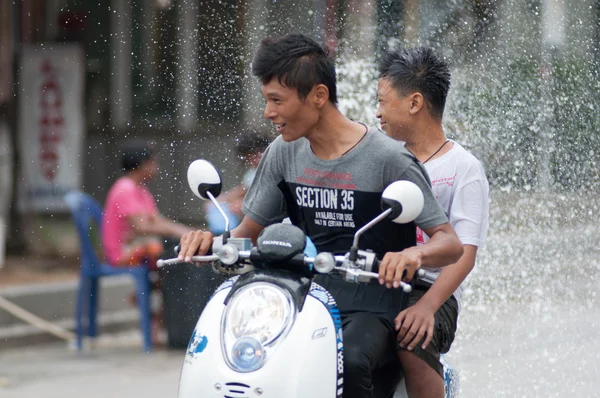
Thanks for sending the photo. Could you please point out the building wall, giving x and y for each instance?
(222, 94)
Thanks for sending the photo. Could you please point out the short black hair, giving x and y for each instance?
(134, 153)
(418, 69)
(252, 142)
(297, 62)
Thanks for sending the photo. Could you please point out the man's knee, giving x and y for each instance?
(422, 380)
(358, 382)
(356, 363)
(414, 364)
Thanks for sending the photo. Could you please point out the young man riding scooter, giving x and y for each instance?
(412, 92)
(326, 173)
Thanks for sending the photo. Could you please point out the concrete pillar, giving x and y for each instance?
(359, 34)
(186, 114)
(120, 76)
(553, 23)
(553, 39)
(411, 23)
(6, 172)
(254, 23)
(53, 9)
(147, 31)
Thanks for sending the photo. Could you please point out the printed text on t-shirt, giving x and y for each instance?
(444, 181)
(324, 191)
(326, 179)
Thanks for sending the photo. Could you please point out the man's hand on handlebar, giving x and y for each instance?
(194, 243)
(399, 266)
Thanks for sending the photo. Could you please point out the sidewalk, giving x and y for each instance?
(47, 288)
(27, 270)
(115, 368)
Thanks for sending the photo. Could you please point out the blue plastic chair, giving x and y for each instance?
(86, 211)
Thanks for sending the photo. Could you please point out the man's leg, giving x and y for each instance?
(368, 342)
(423, 372)
(420, 378)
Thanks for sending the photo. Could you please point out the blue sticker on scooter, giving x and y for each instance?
(451, 379)
(197, 344)
(320, 293)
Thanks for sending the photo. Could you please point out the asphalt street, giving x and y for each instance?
(554, 354)
(115, 368)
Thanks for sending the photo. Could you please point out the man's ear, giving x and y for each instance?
(417, 102)
(320, 95)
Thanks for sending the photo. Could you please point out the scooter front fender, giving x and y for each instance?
(308, 363)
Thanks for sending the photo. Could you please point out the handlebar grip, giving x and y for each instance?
(376, 263)
(177, 249)
(418, 275)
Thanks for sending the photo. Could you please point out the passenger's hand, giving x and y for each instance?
(194, 243)
(394, 265)
(413, 324)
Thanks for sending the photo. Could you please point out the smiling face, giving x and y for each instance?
(293, 118)
(394, 112)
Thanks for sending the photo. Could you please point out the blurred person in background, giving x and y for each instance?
(250, 148)
(133, 229)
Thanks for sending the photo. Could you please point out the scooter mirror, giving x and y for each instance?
(203, 177)
(405, 199)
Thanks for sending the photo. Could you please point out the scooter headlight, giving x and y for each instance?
(256, 316)
(247, 354)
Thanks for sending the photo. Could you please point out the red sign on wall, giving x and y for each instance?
(51, 121)
(51, 127)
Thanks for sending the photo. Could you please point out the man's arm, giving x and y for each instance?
(156, 224)
(469, 217)
(232, 198)
(443, 248)
(247, 229)
(450, 278)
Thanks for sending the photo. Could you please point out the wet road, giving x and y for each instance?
(529, 328)
(553, 354)
(531, 320)
(527, 353)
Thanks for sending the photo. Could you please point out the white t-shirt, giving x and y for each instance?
(459, 183)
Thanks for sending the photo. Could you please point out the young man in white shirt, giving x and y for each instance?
(412, 91)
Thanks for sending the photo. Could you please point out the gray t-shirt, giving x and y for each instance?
(331, 199)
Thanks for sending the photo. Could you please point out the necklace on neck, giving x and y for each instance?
(357, 142)
(436, 152)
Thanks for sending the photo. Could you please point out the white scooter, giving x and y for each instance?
(269, 331)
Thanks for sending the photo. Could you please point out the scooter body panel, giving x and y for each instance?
(308, 362)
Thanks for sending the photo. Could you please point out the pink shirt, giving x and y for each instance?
(124, 199)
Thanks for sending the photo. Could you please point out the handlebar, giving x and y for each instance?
(324, 263)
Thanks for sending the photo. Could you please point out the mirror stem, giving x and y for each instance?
(366, 227)
(214, 201)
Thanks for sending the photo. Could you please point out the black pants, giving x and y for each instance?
(371, 366)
